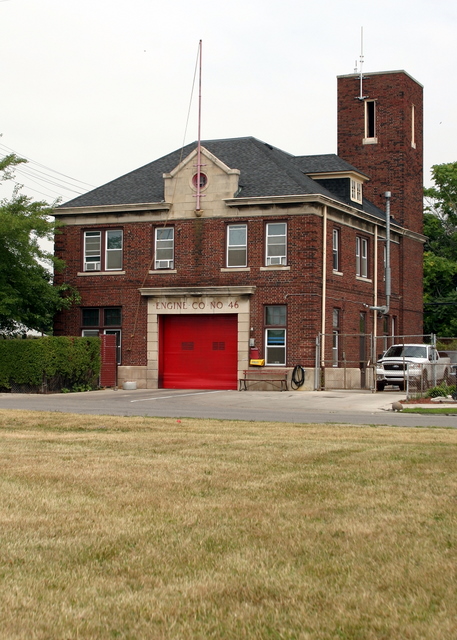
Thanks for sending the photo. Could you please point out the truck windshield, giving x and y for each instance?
(406, 351)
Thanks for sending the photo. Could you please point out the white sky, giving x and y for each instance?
(93, 89)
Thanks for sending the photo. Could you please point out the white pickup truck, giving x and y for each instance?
(420, 363)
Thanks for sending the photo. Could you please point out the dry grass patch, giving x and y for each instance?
(152, 528)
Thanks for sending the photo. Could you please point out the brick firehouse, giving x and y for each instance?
(232, 251)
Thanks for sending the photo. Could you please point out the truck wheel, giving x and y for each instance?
(401, 386)
(380, 386)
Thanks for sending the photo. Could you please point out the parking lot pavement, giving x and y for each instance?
(352, 401)
(350, 407)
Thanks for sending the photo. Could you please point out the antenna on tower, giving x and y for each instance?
(361, 96)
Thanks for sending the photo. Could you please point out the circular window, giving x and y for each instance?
(203, 180)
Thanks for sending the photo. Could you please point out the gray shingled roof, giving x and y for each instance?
(327, 163)
(264, 171)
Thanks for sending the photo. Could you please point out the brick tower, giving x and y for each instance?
(380, 132)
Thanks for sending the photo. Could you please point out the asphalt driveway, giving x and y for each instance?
(344, 407)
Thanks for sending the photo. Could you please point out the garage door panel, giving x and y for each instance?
(200, 352)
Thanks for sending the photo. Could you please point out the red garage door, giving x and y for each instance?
(199, 352)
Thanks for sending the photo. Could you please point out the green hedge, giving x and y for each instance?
(49, 364)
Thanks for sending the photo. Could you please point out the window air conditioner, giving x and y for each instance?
(92, 266)
(164, 264)
(276, 260)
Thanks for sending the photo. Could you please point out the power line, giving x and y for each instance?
(29, 177)
(21, 155)
(42, 193)
(43, 177)
(39, 174)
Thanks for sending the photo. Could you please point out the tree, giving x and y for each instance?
(440, 258)
(28, 298)
(442, 198)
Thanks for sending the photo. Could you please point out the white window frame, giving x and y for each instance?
(112, 253)
(336, 238)
(356, 191)
(276, 347)
(335, 347)
(92, 256)
(276, 258)
(97, 258)
(236, 249)
(413, 126)
(90, 333)
(361, 257)
(281, 331)
(164, 256)
(370, 121)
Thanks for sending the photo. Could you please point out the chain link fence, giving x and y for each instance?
(351, 361)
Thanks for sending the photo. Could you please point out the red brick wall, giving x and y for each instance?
(392, 164)
(354, 295)
(411, 286)
(199, 256)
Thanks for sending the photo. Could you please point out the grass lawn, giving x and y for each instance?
(145, 528)
(446, 411)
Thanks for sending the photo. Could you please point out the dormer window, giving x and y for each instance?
(348, 182)
(356, 191)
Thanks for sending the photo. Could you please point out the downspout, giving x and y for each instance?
(375, 296)
(324, 283)
(388, 273)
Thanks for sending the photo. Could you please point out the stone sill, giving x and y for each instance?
(162, 271)
(101, 273)
(275, 267)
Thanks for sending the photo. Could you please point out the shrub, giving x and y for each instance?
(442, 390)
(49, 364)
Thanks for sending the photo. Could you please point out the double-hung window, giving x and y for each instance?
(275, 334)
(96, 321)
(103, 250)
(92, 250)
(336, 250)
(237, 245)
(276, 243)
(164, 248)
(361, 257)
(113, 250)
(356, 191)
